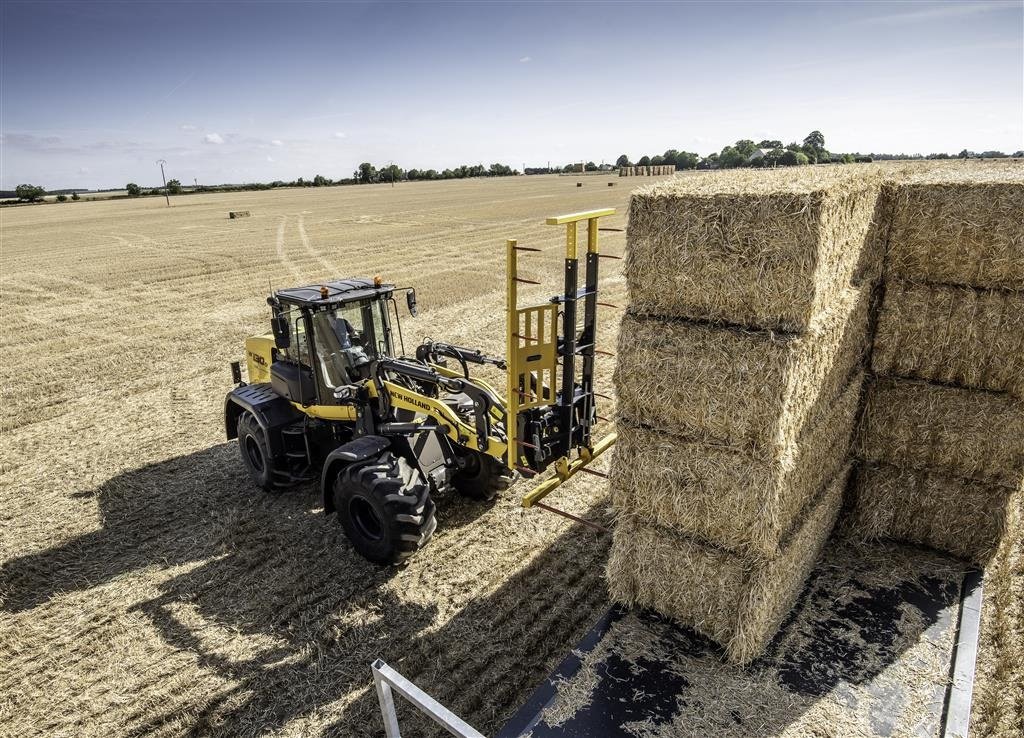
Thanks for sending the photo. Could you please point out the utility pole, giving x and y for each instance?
(167, 196)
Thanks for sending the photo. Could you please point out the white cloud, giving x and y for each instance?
(276, 142)
(83, 170)
(213, 138)
(270, 159)
(188, 127)
(525, 59)
(937, 12)
(339, 134)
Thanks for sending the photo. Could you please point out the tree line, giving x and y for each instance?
(743, 153)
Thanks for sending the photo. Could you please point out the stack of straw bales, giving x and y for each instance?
(739, 377)
(942, 435)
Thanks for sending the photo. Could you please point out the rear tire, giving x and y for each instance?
(252, 444)
(384, 506)
(482, 478)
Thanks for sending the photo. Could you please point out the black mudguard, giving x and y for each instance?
(360, 449)
(271, 411)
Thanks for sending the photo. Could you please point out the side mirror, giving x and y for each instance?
(410, 300)
(282, 336)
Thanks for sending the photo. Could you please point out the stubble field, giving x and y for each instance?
(147, 586)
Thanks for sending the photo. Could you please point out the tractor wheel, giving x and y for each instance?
(385, 508)
(252, 443)
(482, 478)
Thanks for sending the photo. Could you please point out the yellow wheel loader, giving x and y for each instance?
(329, 398)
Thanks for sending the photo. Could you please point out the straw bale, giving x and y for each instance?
(958, 335)
(963, 517)
(736, 601)
(960, 225)
(965, 433)
(766, 249)
(754, 390)
(721, 495)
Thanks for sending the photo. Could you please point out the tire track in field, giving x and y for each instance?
(331, 268)
(281, 256)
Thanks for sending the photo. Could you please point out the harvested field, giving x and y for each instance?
(959, 225)
(959, 432)
(721, 495)
(760, 249)
(754, 390)
(960, 516)
(957, 335)
(734, 600)
(146, 586)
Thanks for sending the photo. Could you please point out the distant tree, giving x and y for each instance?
(657, 160)
(669, 157)
(794, 158)
(366, 173)
(847, 159)
(709, 162)
(623, 161)
(992, 155)
(29, 192)
(730, 158)
(687, 160)
(319, 181)
(62, 198)
(133, 189)
(590, 166)
(793, 147)
(863, 159)
(815, 140)
(965, 154)
(430, 174)
(74, 196)
(769, 144)
(645, 161)
(745, 147)
(1018, 154)
(391, 173)
(174, 187)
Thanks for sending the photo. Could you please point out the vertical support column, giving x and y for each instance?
(588, 337)
(511, 351)
(567, 420)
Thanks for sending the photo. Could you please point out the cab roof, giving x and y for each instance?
(338, 292)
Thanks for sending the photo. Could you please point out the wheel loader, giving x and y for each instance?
(332, 397)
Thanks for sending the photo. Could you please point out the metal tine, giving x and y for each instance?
(528, 445)
(526, 248)
(608, 305)
(594, 472)
(524, 281)
(608, 256)
(603, 353)
(526, 394)
(528, 473)
(607, 420)
(603, 397)
(525, 338)
(564, 514)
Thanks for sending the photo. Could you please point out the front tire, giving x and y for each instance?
(252, 444)
(482, 477)
(384, 506)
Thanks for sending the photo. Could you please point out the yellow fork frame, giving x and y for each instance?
(531, 353)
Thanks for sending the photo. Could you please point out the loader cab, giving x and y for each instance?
(328, 336)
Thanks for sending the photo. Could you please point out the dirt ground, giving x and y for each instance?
(148, 588)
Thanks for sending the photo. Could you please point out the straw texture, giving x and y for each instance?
(736, 601)
(754, 390)
(963, 517)
(962, 432)
(958, 335)
(721, 495)
(760, 249)
(960, 225)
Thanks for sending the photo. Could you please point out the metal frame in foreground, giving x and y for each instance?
(386, 679)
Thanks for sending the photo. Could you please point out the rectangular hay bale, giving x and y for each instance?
(761, 249)
(737, 601)
(965, 433)
(963, 517)
(722, 495)
(753, 390)
(959, 225)
(959, 335)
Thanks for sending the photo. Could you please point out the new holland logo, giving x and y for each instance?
(414, 401)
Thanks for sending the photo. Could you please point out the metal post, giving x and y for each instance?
(511, 346)
(167, 196)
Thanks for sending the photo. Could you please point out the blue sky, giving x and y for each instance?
(93, 93)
